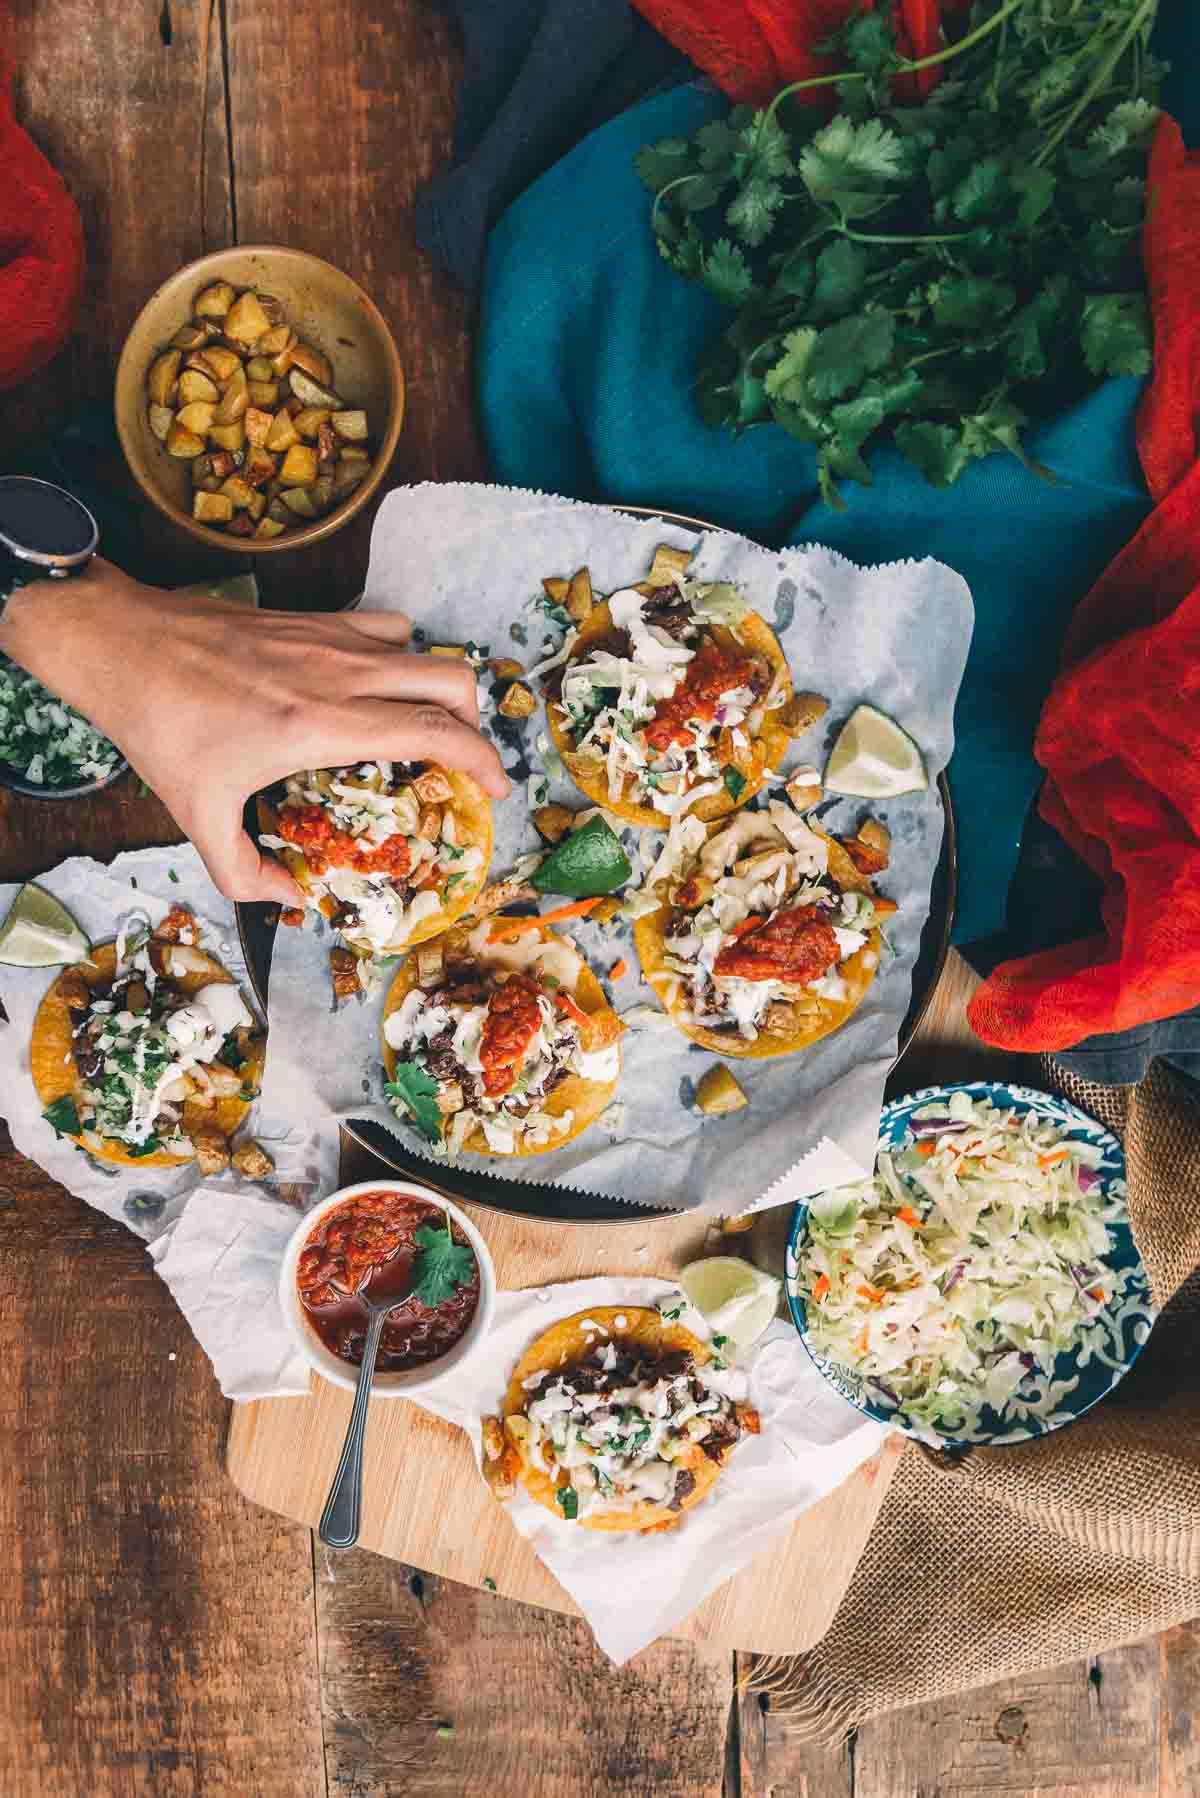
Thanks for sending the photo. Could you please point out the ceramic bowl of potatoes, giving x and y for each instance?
(259, 399)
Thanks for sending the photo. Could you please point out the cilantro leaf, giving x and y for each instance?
(840, 277)
(727, 274)
(971, 302)
(1115, 334)
(847, 352)
(664, 162)
(416, 1091)
(936, 449)
(735, 783)
(849, 167)
(568, 1499)
(751, 214)
(442, 1265)
(62, 1116)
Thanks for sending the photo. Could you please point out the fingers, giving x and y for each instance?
(444, 681)
(405, 733)
(387, 627)
(237, 868)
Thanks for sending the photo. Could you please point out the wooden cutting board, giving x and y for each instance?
(424, 1502)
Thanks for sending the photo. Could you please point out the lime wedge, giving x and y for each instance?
(735, 1299)
(589, 862)
(39, 932)
(874, 758)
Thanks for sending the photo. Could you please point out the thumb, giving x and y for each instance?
(240, 871)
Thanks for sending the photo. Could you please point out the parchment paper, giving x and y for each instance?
(466, 562)
(634, 1589)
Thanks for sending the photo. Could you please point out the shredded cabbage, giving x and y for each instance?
(954, 1278)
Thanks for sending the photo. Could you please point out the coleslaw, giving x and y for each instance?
(976, 1256)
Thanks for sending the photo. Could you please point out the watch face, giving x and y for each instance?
(42, 521)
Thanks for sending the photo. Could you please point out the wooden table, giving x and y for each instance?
(160, 1637)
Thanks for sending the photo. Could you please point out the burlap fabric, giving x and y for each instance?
(1010, 1560)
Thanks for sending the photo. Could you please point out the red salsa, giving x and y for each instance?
(324, 846)
(368, 1244)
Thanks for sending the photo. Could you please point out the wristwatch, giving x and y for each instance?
(45, 532)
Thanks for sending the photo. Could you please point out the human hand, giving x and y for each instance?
(210, 701)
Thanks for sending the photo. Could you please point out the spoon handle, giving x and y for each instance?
(343, 1508)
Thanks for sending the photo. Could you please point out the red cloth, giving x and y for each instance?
(1120, 732)
(41, 251)
(752, 48)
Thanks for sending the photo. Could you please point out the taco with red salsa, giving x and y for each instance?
(498, 1040)
(390, 852)
(670, 699)
(768, 934)
(618, 1420)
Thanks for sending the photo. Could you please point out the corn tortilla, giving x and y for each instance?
(769, 744)
(52, 1060)
(586, 1099)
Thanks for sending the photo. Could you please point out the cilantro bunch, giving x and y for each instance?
(939, 271)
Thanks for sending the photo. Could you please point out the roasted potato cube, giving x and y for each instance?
(282, 433)
(246, 321)
(518, 701)
(269, 527)
(718, 1093)
(501, 1462)
(228, 437)
(694, 892)
(801, 712)
(235, 398)
(222, 463)
(429, 824)
(257, 424)
(553, 822)
(321, 491)
(217, 361)
(212, 1150)
(579, 599)
(502, 893)
(240, 525)
(309, 422)
(555, 588)
(299, 466)
(734, 751)
(299, 501)
(198, 417)
(205, 483)
(433, 788)
(326, 449)
(779, 1019)
(160, 382)
(75, 991)
(183, 443)
(431, 964)
(260, 368)
(667, 563)
(273, 341)
(257, 505)
(505, 668)
(212, 508)
(238, 490)
(449, 1098)
(259, 467)
(215, 301)
(264, 394)
(604, 910)
(160, 421)
(804, 789)
(351, 452)
(279, 512)
(309, 392)
(351, 425)
(348, 478)
(311, 360)
(877, 837)
(191, 337)
(343, 971)
(453, 650)
(196, 386)
(251, 1159)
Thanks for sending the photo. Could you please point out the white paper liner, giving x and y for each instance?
(465, 561)
(633, 1589)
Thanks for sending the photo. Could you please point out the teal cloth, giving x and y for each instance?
(587, 351)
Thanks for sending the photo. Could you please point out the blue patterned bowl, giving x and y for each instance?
(1082, 1376)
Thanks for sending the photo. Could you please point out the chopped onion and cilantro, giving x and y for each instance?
(47, 741)
(954, 1279)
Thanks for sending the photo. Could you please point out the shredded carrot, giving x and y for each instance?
(750, 923)
(869, 1292)
(910, 1217)
(861, 1344)
(885, 907)
(1097, 1293)
(507, 928)
(926, 1148)
(619, 968)
(1051, 1160)
(820, 1287)
(565, 1003)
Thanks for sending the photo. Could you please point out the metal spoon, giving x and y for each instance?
(343, 1508)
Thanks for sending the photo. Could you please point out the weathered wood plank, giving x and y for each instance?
(533, 1706)
(157, 1633)
(340, 113)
